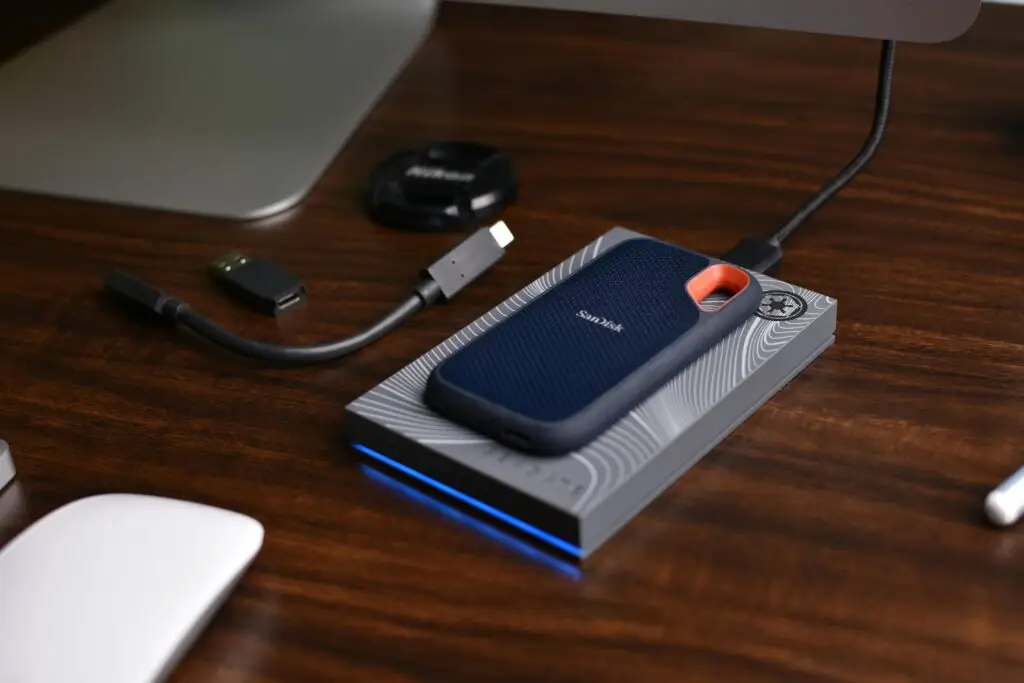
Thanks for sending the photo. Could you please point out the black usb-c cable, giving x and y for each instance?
(764, 255)
(442, 280)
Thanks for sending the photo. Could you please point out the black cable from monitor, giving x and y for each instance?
(764, 255)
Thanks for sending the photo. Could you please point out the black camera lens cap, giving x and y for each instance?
(443, 186)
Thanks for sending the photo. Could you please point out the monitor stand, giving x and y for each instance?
(227, 108)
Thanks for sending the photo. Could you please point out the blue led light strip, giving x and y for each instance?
(534, 551)
(473, 502)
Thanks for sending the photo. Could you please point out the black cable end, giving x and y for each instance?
(141, 294)
(757, 255)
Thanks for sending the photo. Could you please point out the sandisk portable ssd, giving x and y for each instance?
(560, 371)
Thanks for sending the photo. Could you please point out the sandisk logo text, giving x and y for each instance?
(598, 320)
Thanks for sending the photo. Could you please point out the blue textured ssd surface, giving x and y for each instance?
(581, 355)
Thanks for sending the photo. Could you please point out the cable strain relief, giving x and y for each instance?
(172, 308)
(428, 291)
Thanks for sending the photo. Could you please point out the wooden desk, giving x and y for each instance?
(835, 537)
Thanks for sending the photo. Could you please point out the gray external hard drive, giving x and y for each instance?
(575, 503)
(6, 465)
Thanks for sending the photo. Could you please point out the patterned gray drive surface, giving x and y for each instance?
(579, 482)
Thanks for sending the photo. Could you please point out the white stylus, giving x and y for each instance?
(1005, 505)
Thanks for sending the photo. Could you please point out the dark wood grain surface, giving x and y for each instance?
(836, 536)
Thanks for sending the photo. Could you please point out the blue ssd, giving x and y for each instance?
(559, 372)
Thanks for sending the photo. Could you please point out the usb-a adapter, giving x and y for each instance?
(259, 283)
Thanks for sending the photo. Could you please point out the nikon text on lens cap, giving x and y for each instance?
(444, 186)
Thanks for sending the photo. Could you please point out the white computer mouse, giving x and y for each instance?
(115, 588)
